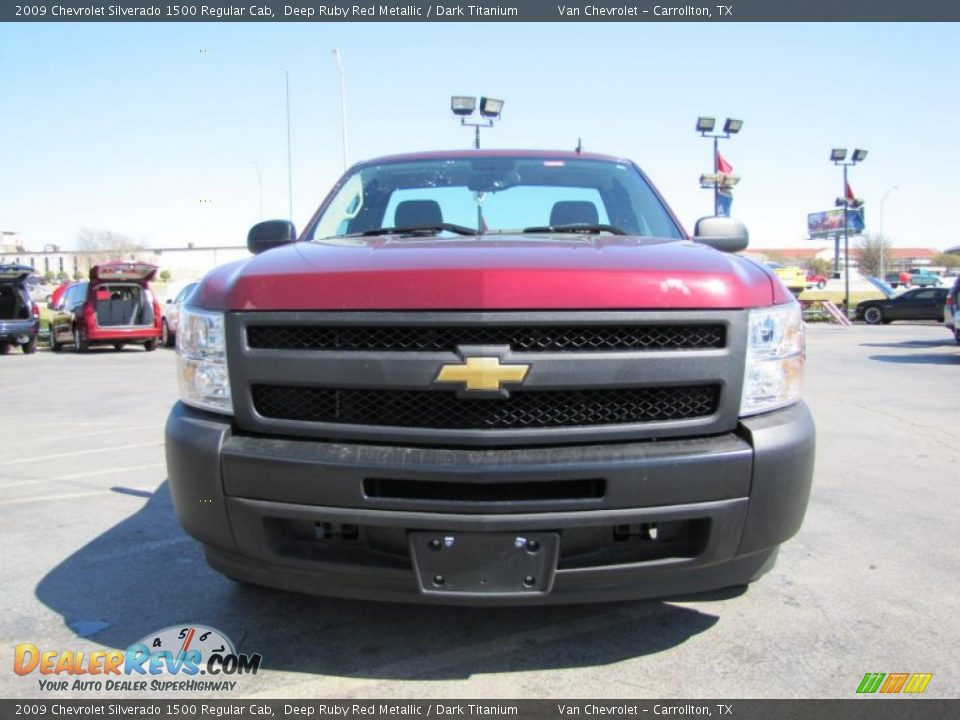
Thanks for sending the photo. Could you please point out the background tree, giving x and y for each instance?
(104, 245)
(869, 260)
(819, 266)
(947, 260)
(165, 275)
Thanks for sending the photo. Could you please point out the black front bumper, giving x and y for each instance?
(642, 519)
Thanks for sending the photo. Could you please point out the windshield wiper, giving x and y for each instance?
(420, 230)
(580, 228)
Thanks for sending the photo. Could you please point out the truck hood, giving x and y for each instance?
(490, 273)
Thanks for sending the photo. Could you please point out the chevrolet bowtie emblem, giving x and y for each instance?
(482, 373)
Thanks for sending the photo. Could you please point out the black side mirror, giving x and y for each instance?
(51, 306)
(270, 234)
(722, 233)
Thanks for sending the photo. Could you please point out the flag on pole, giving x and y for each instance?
(722, 165)
(848, 193)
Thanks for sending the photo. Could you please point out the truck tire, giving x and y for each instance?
(873, 316)
(30, 346)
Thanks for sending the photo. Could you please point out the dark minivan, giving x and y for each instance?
(19, 315)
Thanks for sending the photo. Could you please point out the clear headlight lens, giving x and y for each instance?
(775, 352)
(202, 361)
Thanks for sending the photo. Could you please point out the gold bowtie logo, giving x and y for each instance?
(482, 373)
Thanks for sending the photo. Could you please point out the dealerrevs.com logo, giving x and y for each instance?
(191, 658)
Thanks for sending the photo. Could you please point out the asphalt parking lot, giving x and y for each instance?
(93, 557)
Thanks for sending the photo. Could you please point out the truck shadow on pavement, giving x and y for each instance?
(145, 574)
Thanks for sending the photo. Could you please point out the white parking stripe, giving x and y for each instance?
(79, 452)
(50, 498)
(110, 471)
(120, 428)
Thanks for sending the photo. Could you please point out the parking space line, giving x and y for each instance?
(80, 452)
(119, 428)
(51, 498)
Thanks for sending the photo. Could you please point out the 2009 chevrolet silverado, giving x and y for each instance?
(492, 377)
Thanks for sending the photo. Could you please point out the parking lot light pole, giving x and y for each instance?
(463, 106)
(839, 157)
(705, 126)
(882, 201)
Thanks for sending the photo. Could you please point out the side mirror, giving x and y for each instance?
(722, 233)
(270, 234)
(51, 306)
(169, 301)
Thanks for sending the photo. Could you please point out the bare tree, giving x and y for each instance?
(870, 252)
(947, 260)
(103, 245)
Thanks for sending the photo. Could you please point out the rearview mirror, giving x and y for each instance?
(270, 234)
(722, 233)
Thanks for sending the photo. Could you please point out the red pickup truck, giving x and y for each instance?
(492, 377)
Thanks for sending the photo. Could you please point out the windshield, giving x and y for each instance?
(495, 195)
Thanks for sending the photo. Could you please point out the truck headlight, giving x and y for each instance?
(775, 353)
(202, 361)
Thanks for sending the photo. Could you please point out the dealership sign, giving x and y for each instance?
(830, 222)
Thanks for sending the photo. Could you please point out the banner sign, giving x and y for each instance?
(478, 10)
(830, 222)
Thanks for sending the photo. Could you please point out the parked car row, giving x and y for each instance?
(116, 306)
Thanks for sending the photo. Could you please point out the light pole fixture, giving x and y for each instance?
(839, 157)
(705, 126)
(882, 201)
(259, 186)
(464, 106)
(343, 103)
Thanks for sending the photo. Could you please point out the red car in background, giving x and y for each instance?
(115, 307)
(57, 293)
(813, 279)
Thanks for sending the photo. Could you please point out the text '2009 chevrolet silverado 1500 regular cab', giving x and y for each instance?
(492, 377)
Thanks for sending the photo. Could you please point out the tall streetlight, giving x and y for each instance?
(705, 126)
(259, 186)
(343, 104)
(839, 157)
(463, 106)
(882, 201)
(289, 151)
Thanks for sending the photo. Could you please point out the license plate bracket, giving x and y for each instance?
(466, 563)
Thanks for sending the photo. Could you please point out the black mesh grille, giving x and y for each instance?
(382, 338)
(538, 409)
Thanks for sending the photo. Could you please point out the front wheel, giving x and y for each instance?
(873, 316)
(80, 343)
(821, 284)
(30, 346)
(150, 345)
(166, 337)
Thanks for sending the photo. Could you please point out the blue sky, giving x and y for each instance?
(152, 129)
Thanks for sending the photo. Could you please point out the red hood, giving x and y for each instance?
(487, 273)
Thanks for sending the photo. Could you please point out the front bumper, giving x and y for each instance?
(11, 331)
(338, 519)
